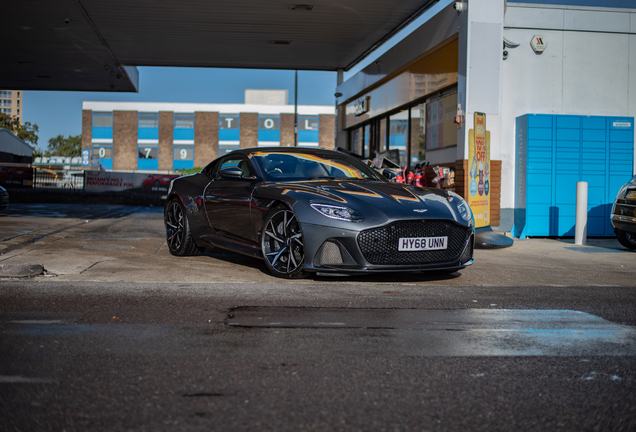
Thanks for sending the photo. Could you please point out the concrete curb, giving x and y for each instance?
(21, 270)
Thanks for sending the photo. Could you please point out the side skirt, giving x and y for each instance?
(241, 247)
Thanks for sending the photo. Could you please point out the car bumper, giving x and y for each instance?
(624, 216)
(335, 250)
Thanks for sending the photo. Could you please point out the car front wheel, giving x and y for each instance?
(626, 239)
(178, 234)
(282, 244)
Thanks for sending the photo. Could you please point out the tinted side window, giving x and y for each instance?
(210, 169)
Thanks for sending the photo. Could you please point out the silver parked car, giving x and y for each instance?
(624, 214)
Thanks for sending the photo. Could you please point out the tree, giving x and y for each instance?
(27, 131)
(68, 147)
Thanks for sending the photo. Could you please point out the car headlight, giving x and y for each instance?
(462, 206)
(337, 212)
(623, 190)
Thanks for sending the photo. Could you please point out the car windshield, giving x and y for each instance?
(288, 166)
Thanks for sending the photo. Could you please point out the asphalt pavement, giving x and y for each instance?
(117, 334)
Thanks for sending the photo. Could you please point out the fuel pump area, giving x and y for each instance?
(518, 101)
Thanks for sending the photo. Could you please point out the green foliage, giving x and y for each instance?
(26, 131)
(194, 170)
(68, 147)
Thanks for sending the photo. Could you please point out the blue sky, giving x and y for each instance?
(60, 113)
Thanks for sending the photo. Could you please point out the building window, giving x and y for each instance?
(308, 131)
(148, 120)
(147, 158)
(102, 156)
(5, 94)
(183, 128)
(183, 157)
(5, 102)
(5, 111)
(229, 132)
(102, 125)
(184, 121)
(268, 130)
(103, 119)
(148, 127)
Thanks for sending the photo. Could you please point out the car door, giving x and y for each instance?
(227, 200)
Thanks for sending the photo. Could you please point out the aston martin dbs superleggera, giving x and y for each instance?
(315, 210)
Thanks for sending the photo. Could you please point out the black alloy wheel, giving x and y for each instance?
(626, 239)
(178, 235)
(282, 244)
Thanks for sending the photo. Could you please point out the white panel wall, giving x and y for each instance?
(588, 68)
(632, 81)
(595, 73)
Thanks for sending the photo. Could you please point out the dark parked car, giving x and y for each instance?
(315, 210)
(624, 214)
(4, 199)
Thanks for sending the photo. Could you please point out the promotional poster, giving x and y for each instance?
(134, 183)
(479, 174)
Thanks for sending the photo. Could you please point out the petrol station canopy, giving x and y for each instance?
(94, 45)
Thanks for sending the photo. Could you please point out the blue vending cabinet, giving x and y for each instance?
(553, 153)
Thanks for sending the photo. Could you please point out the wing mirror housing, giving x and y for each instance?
(232, 172)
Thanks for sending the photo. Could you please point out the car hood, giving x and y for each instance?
(377, 201)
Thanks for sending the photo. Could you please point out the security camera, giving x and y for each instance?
(67, 20)
(459, 6)
(338, 94)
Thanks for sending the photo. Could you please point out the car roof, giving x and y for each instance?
(248, 151)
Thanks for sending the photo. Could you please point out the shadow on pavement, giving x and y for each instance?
(388, 277)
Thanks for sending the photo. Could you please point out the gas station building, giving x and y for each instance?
(556, 86)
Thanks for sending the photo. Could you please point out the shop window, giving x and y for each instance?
(356, 140)
(441, 130)
(397, 137)
(418, 126)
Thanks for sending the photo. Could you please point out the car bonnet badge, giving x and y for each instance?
(420, 210)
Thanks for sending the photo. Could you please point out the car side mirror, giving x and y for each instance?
(231, 172)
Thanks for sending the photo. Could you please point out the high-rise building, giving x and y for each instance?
(11, 103)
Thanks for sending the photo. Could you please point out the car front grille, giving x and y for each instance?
(380, 245)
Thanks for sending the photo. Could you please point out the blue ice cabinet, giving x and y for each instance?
(553, 152)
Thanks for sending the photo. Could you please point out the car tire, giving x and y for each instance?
(626, 239)
(178, 234)
(282, 244)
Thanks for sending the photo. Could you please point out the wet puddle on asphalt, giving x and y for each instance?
(466, 332)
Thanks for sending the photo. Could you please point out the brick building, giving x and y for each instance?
(145, 136)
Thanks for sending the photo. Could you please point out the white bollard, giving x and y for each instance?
(580, 230)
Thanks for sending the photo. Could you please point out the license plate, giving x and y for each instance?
(631, 194)
(409, 244)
